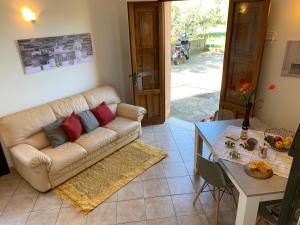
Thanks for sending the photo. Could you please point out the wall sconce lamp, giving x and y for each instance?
(243, 9)
(28, 15)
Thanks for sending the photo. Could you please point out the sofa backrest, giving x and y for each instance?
(106, 94)
(15, 128)
(26, 126)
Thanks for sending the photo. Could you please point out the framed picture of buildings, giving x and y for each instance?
(38, 54)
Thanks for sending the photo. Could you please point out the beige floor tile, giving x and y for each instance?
(112, 198)
(25, 187)
(131, 211)
(138, 178)
(65, 204)
(155, 188)
(175, 169)
(154, 172)
(68, 216)
(197, 182)
(14, 219)
(181, 135)
(159, 207)
(190, 167)
(4, 199)
(165, 221)
(173, 156)
(167, 145)
(187, 156)
(104, 214)
(9, 186)
(134, 223)
(180, 185)
(185, 145)
(12, 175)
(183, 205)
(147, 137)
(133, 190)
(163, 136)
(20, 203)
(47, 201)
(192, 220)
(47, 217)
(227, 211)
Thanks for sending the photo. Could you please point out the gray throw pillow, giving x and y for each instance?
(88, 121)
(55, 133)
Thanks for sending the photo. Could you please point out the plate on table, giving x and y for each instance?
(258, 169)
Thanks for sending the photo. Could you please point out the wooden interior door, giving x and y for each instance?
(147, 58)
(245, 39)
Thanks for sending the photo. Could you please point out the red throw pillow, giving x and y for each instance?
(72, 127)
(103, 114)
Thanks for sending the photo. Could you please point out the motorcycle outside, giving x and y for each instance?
(181, 51)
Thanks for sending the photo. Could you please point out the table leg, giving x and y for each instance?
(197, 150)
(247, 210)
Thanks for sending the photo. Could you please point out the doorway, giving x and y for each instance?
(198, 33)
(191, 85)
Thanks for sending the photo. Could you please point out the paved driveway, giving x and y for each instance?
(195, 87)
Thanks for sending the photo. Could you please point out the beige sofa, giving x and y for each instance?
(45, 167)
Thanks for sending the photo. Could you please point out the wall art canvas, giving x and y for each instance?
(40, 54)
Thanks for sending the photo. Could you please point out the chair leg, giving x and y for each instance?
(198, 193)
(218, 205)
(233, 198)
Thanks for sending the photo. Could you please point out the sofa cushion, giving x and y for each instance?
(15, 128)
(122, 125)
(88, 121)
(65, 106)
(97, 95)
(55, 133)
(72, 126)
(97, 139)
(103, 114)
(64, 156)
(38, 140)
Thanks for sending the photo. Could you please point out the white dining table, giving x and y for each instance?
(251, 191)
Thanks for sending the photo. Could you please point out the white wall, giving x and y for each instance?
(60, 17)
(19, 91)
(281, 108)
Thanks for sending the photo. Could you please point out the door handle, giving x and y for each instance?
(134, 79)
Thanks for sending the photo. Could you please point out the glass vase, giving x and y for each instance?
(246, 122)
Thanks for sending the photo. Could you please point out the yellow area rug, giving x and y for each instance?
(91, 187)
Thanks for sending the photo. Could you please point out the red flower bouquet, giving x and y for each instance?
(246, 93)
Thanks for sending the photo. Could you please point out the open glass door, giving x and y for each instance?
(245, 39)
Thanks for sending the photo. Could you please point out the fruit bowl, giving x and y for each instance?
(279, 139)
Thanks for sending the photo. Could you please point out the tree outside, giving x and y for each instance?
(200, 19)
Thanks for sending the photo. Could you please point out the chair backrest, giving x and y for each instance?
(224, 114)
(212, 172)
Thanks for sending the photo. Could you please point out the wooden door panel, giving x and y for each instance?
(147, 68)
(246, 24)
(237, 70)
(246, 30)
(147, 58)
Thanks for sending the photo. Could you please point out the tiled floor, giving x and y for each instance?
(160, 196)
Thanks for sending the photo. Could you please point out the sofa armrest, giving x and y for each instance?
(131, 111)
(30, 156)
